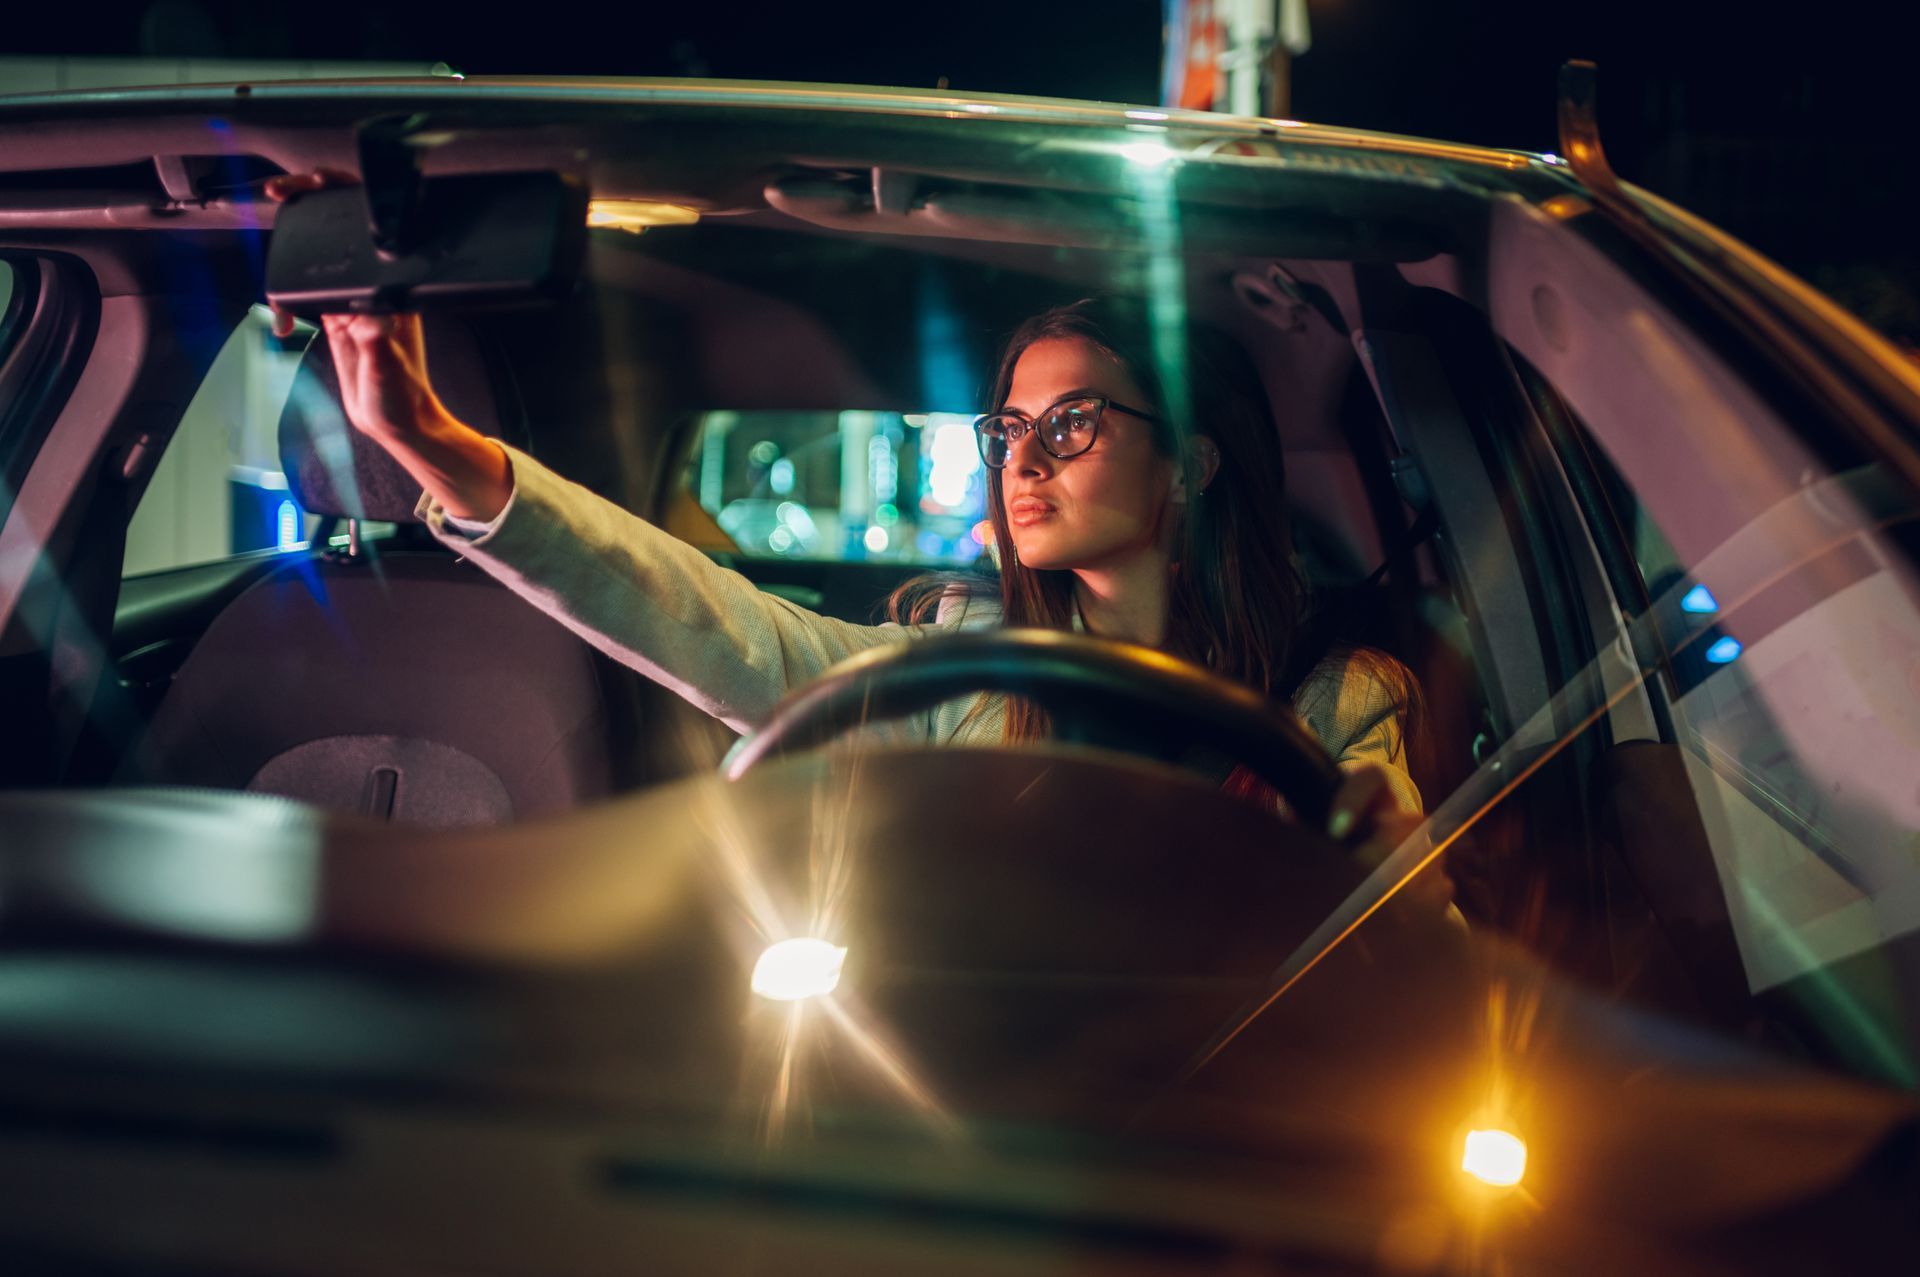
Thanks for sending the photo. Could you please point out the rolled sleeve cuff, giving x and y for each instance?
(454, 528)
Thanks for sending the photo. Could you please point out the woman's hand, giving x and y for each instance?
(381, 359)
(287, 187)
(1366, 819)
(382, 365)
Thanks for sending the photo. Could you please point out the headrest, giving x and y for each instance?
(333, 469)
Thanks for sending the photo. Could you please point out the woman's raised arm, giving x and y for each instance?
(382, 365)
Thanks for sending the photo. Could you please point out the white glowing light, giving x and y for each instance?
(956, 459)
(1147, 115)
(1151, 154)
(1498, 1158)
(883, 468)
(287, 526)
(876, 539)
(796, 518)
(796, 969)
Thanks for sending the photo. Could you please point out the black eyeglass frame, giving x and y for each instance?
(1033, 423)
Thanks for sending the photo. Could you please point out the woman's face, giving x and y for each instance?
(1103, 506)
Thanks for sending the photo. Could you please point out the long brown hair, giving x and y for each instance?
(1238, 601)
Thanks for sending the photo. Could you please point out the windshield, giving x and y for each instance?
(1627, 627)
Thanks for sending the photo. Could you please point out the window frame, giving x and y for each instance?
(46, 337)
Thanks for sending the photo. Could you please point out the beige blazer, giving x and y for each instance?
(655, 603)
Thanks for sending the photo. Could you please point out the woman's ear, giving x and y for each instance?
(1202, 463)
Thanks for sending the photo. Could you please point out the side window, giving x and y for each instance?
(219, 489)
(1789, 659)
(842, 486)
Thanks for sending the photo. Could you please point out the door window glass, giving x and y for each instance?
(219, 490)
(1788, 657)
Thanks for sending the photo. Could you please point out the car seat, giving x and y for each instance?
(407, 685)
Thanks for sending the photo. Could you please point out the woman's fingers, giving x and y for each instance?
(403, 336)
(1431, 885)
(346, 354)
(349, 338)
(288, 186)
(1362, 794)
(1368, 818)
(382, 365)
(381, 359)
(284, 187)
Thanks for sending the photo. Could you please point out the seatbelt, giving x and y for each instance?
(1411, 538)
(1411, 484)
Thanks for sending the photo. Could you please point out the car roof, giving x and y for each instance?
(286, 122)
(725, 148)
(1278, 190)
(868, 99)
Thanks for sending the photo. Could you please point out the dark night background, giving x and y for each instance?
(1787, 125)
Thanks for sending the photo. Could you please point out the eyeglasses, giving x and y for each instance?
(1065, 430)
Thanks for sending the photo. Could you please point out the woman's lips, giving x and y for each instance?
(1025, 510)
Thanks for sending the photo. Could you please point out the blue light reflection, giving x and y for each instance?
(1724, 650)
(1700, 601)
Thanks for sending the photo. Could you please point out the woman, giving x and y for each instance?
(1118, 519)
(1111, 516)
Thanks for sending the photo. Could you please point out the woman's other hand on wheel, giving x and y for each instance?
(1368, 820)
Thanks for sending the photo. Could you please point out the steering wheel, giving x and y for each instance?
(1097, 691)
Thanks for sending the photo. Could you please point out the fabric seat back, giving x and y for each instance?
(406, 686)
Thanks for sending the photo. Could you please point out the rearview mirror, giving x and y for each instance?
(473, 242)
